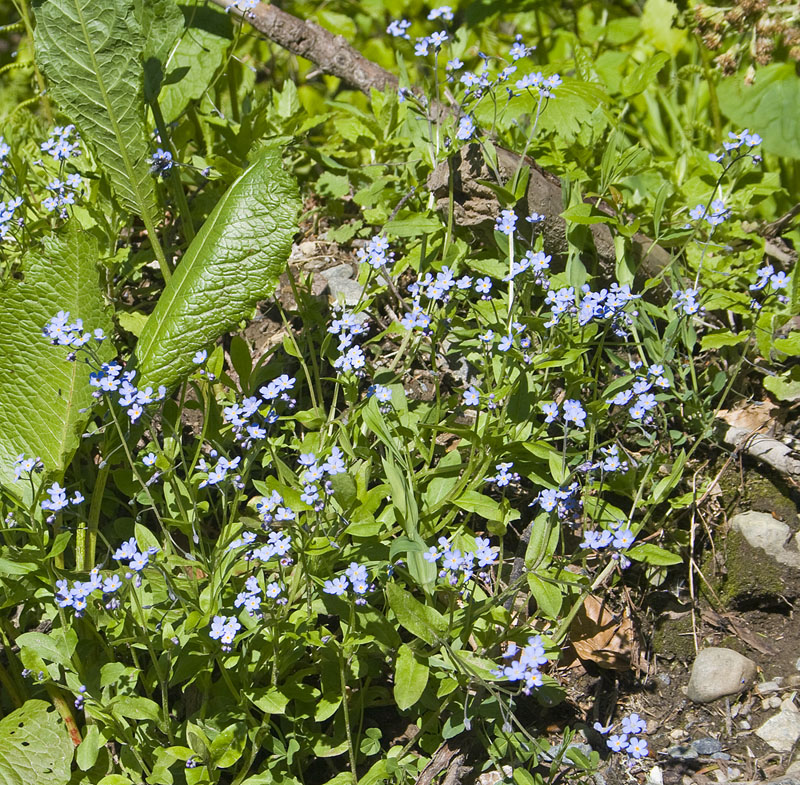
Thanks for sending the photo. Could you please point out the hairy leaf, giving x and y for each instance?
(232, 263)
(90, 52)
(41, 394)
(34, 747)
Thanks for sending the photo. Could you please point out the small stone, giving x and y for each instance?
(707, 746)
(733, 773)
(768, 686)
(678, 734)
(744, 725)
(721, 756)
(782, 731)
(793, 680)
(774, 702)
(683, 752)
(718, 672)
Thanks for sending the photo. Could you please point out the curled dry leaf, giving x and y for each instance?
(754, 416)
(601, 637)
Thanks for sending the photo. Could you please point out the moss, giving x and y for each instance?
(673, 637)
(751, 575)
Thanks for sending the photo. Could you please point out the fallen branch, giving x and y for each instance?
(766, 449)
(475, 203)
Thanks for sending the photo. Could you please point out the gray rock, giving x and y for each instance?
(683, 752)
(768, 686)
(707, 746)
(719, 672)
(342, 285)
(782, 731)
(761, 530)
(721, 756)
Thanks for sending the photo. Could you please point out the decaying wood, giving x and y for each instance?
(475, 203)
(766, 449)
(306, 39)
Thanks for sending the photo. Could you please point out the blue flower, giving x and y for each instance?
(637, 748)
(550, 410)
(633, 723)
(617, 742)
(161, 162)
(471, 397)
(574, 412)
(506, 222)
(337, 586)
(443, 12)
(200, 357)
(398, 28)
(466, 128)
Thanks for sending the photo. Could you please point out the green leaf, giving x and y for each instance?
(233, 262)
(719, 338)
(34, 747)
(486, 507)
(656, 24)
(162, 22)
(48, 647)
(769, 106)
(42, 395)
(410, 678)
(90, 51)
(228, 746)
(643, 74)
(270, 701)
(89, 749)
(135, 707)
(193, 63)
(547, 595)
(785, 387)
(788, 345)
(421, 620)
(652, 554)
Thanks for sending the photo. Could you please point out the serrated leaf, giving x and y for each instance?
(410, 678)
(90, 51)
(34, 747)
(233, 262)
(42, 395)
(421, 620)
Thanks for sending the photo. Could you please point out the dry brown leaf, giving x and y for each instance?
(753, 416)
(597, 635)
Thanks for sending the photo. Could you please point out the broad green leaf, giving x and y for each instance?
(270, 701)
(770, 106)
(41, 394)
(421, 620)
(89, 749)
(233, 262)
(482, 505)
(410, 678)
(34, 747)
(162, 23)
(657, 26)
(135, 707)
(49, 647)
(547, 595)
(785, 387)
(641, 76)
(228, 746)
(652, 554)
(193, 63)
(90, 51)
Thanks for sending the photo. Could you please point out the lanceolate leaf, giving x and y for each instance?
(90, 52)
(41, 394)
(34, 747)
(232, 263)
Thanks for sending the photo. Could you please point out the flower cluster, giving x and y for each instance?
(504, 476)
(527, 665)
(356, 578)
(61, 333)
(250, 598)
(23, 465)
(383, 395)
(627, 740)
(347, 325)
(605, 304)
(544, 86)
(638, 397)
(110, 378)
(466, 128)
(615, 536)
(76, 597)
(455, 565)
(714, 214)
(767, 275)
(7, 210)
(58, 498)
(572, 411)
(506, 222)
(224, 629)
(246, 417)
(137, 560)
(63, 194)
(538, 262)
(742, 139)
(565, 501)
(687, 302)
(215, 475)
(377, 254)
(62, 145)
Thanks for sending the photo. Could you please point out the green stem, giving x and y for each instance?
(346, 706)
(94, 515)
